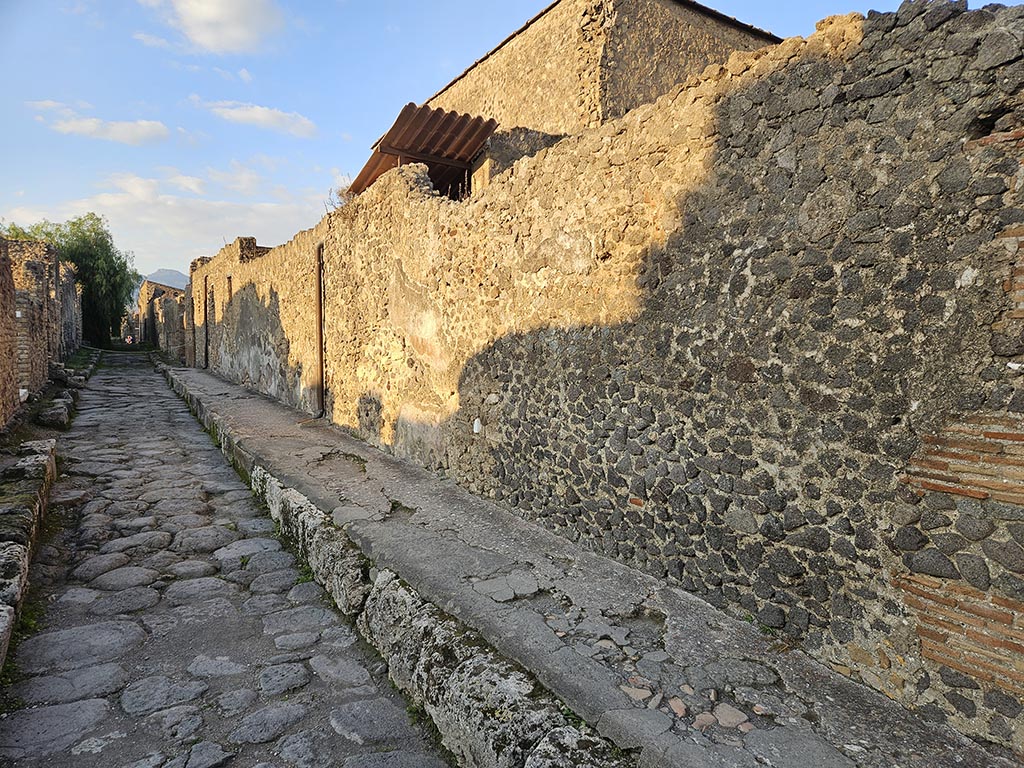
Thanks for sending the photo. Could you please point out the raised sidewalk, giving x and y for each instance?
(451, 588)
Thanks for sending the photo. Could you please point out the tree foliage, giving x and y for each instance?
(106, 273)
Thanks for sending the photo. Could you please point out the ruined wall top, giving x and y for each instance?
(154, 289)
(32, 261)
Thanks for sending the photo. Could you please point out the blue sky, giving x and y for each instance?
(190, 122)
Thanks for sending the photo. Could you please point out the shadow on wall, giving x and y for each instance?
(368, 411)
(827, 299)
(717, 366)
(256, 353)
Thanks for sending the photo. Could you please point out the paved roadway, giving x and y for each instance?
(175, 630)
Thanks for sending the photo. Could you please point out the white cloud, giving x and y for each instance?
(135, 186)
(151, 41)
(229, 76)
(124, 132)
(145, 219)
(69, 121)
(244, 75)
(262, 117)
(47, 104)
(238, 178)
(183, 181)
(192, 184)
(222, 26)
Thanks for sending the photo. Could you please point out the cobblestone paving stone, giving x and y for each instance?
(178, 632)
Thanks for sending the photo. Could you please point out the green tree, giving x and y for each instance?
(106, 273)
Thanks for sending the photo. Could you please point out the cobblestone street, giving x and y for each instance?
(174, 630)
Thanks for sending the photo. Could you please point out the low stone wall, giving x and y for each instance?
(23, 500)
(761, 338)
(8, 339)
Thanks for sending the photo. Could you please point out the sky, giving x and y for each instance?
(188, 123)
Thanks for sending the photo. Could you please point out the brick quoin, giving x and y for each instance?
(973, 632)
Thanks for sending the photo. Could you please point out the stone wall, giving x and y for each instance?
(253, 313)
(169, 320)
(143, 310)
(70, 311)
(37, 314)
(161, 310)
(47, 312)
(545, 78)
(194, 352)
(653, 45)
(763, 338)
(582, 62)
(8, 339)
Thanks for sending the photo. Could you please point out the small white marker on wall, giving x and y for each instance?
(477, 426)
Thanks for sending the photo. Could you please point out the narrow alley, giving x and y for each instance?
(174, 630)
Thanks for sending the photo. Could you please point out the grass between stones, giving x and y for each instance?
(30, 621)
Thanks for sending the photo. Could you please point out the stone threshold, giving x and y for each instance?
(526, 649)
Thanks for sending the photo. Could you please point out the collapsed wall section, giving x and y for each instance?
(252, 317)
(8, 339)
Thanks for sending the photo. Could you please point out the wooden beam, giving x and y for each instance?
(404, 154)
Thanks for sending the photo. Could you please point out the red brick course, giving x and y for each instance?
(973, 632)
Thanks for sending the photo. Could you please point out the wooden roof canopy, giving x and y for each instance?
(446, 142)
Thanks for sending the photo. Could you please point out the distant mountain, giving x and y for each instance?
(171, 277)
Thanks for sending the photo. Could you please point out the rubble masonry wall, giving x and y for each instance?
(8, 339)
(761, 337)
(37, 314)
(585, 61)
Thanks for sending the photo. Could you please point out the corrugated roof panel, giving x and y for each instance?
(446, 141)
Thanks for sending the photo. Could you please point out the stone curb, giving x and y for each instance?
(489, 711)
(25, 498)
(22, 506)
